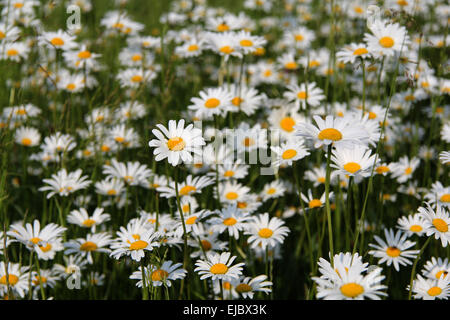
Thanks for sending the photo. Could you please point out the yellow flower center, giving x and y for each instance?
(228, 173)
(192, 47)
(393, 252)
(314, 63)
(138, 245)
(88, 222)
(136, 57)
(271, 191)
(382, 169)
(402, 2)
(12, 52)
(352, 167)
(440, 225)
(291, 65)
(2, 35)
(330, 134)
(38, 280)
(434, 291)
(186, 190)
(26, 141)
(226, 49)
(409, 98)
(237, 101)
(265, 233)
(445, 197)
(302, 95)
(246, 43)
(159, 275)
(299, 37)
(219, 268)
(321, 179)
(386, 42)
(315, 203)
(408, 170)
(191, 220)
(415, 228)
(88, 246)
(242, 205)
(12, 280)
(360, 51)
(248, 142)
(137, 78)
(287, 124)
(351, 290)
(35, 240)
(18, 5)
(212, 103)
(231, 195)
(229, 221)
(289, 154)
(176, 144)
(206, 245)
(119, 139)
(267, 73)
(84, 54)
(57, 42)
(71, 86)
(243, 287)
(358, 9)
(186, 208)
(111, 192)
(47, 247)
(223, 27)
(440, 273)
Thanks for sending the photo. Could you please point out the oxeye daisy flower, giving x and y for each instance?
(431, 289)
(84, 247)
(236, 170)
(353, 52)
(57, 40)
(134, 245)
(299, 38)
(244, 98)
(382, 169)
(284, 120)
(47, 279)
(264, 232)
(248, 286)
(248, 43)
(230, 218)
(27, 136)
(436, 268)
(288, 152)
(412, 224)
(157, 276)
(404, 168)
(17, 279)
(341, 261)
(191, 186)
(191, 222)
(208, 241)
(438, 195)
(212, 101)
(15, 51)
(135, 77)
(394, 250)
(231, 191)
(248, 139)
(350, 282)
(72, 265)
(177, 143)
(386, 38)
(44, 241)
(436, 222)
(313, 202)
(58, 143)
(219, 267)
(63, 183)
(81, 218)
(336, 131)
(225, 44)
(287, 61)
(305, 94)
(111, 186)
(356, 161)
(132, 173)
(316, 175)
(272, 190)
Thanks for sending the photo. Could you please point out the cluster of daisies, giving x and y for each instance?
(205, 155)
